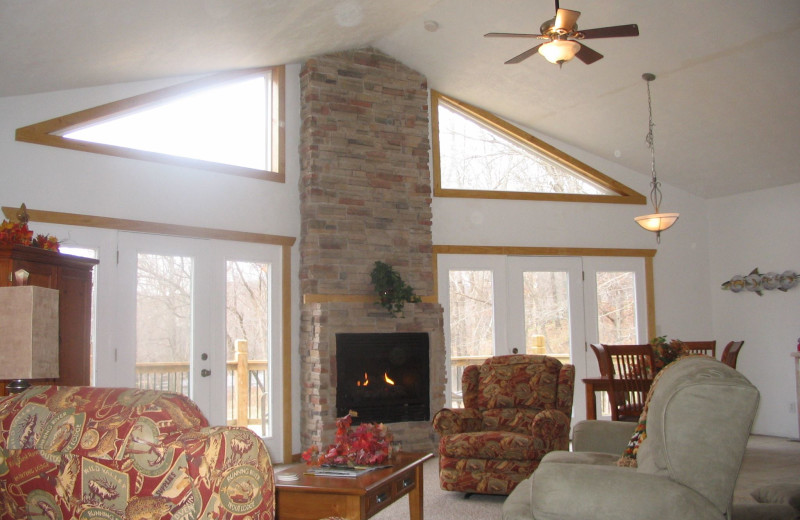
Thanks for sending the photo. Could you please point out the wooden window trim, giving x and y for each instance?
(286, 243)
(47, 132)
(646, 254)
(624, 194)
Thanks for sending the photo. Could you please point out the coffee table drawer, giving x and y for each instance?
(404, 484)
(379, 498)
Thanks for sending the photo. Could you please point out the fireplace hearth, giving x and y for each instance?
(384, 377)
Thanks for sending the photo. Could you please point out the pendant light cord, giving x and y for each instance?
(655, 190)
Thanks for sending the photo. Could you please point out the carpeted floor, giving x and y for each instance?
(768, 460)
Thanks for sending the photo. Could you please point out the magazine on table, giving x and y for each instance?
(343, 470)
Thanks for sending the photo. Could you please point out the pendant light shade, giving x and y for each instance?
(656, 222)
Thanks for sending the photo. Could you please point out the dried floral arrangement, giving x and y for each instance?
(366, 444)
(12, 233)
(665, 352)
(18, 233)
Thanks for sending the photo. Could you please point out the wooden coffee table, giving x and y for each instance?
(313, 497)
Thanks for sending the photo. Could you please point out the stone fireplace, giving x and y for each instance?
(365, 195)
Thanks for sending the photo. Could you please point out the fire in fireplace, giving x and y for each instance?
(383, 376)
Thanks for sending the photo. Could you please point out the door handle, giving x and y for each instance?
(205, 372)
(515, 350)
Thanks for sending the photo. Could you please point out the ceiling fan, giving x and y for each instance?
(562, 31)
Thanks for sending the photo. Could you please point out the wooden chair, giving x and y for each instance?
(708, 348)
(731, 352)
(630, 370)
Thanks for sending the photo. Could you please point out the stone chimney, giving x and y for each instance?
(365, 191)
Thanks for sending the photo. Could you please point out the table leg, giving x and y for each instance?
(415, 496)
(591, 403)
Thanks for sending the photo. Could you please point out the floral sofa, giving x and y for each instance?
(517, 408)
(113, 453)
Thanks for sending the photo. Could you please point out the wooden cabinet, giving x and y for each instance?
(72, 276)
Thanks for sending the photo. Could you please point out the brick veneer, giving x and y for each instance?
(365, 195)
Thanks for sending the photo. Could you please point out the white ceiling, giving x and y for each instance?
(726, 100)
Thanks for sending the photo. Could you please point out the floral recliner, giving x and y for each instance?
(113, 453)
(516, 409)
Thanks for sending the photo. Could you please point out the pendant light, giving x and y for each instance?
(656, 221)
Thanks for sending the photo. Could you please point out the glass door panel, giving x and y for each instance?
(164, 316)
(166, 338)
(545, 309)
(471, 323)
(248, 344)
(254, 391)
(547, 315)
(474, 314)
(615, 296)
(616, 307)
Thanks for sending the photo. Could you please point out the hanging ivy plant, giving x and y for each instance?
(393, 292)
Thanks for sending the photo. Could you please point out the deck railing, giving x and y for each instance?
(246, 396)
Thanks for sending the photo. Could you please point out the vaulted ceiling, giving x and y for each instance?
(726, 100)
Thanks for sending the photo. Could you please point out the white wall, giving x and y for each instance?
(55, 179)
(759, 229)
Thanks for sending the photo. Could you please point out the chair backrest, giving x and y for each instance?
(731, 353)
(519, 381)
(631, 374)
(698, 423)
(629, 361)
(602, 360)
(708, 348)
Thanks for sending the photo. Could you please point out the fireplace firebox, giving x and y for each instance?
(384, 377)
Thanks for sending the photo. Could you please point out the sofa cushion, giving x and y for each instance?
(781, 493)
(491, 445)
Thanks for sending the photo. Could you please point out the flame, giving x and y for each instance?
(366, 381)
(387, 379)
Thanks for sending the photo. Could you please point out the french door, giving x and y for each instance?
(495, 305)
(201, 317)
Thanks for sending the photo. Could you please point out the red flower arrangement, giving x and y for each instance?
(18, 233)
(367, 444)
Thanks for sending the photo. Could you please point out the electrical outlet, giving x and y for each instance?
(792, 407)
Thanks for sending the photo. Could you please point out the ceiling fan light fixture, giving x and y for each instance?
(559, 51)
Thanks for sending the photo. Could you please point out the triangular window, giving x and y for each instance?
(476, 154)
(228, 123)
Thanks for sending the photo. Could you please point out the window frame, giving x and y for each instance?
(50, 132)
(623, 194)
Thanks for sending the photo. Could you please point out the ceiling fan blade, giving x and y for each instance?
(512, 35)
(616, 31)
(565, 19)
(587, 55)
(524, 56)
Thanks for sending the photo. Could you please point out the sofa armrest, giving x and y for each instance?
(552, 427)
(231, 465)
(578, 491)
(602, 436)
(458, 420)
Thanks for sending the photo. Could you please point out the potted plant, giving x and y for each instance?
(393, 292)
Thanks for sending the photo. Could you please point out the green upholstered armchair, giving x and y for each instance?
(699, 416)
